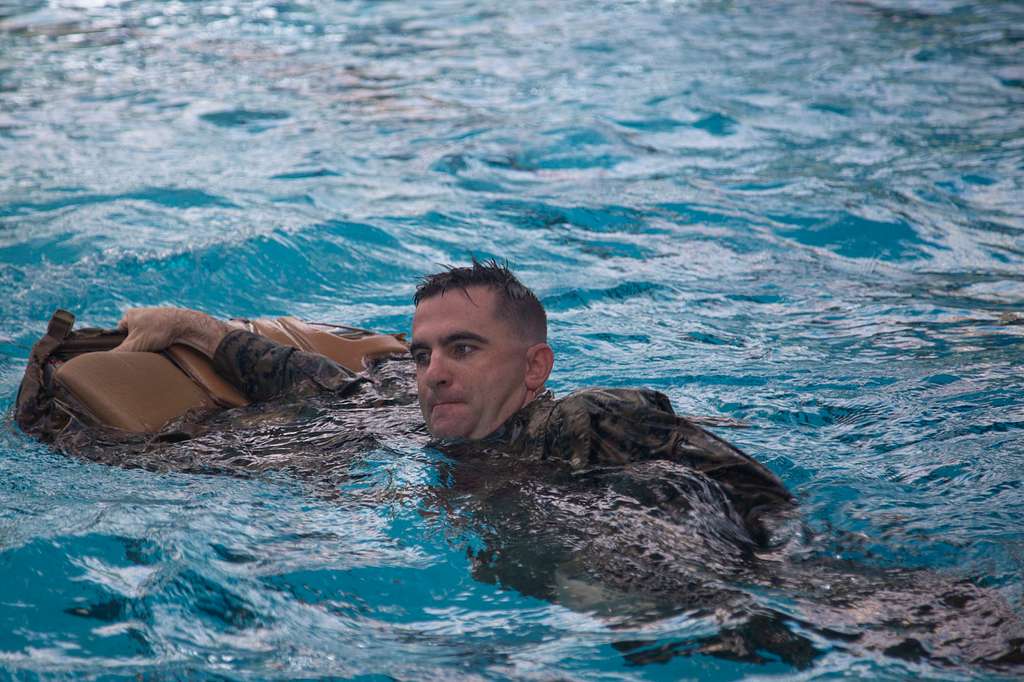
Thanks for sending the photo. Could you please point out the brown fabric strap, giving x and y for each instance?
(34, 400)
(60, 324)
(89, 341)
(56, 331)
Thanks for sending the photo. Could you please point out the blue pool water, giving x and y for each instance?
(803, 216)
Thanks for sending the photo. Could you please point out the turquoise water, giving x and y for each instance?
(803, 216)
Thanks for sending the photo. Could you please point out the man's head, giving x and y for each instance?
(479, 341)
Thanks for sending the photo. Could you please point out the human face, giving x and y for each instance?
(471, 367)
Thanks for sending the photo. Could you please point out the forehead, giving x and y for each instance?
(473, 306)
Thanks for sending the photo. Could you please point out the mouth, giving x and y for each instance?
(447, 418)
(444, 408)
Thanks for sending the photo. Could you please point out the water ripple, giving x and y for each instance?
(818, 239)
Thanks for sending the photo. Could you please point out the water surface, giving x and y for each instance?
(802, 216)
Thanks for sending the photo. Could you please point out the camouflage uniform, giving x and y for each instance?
(262, 369)
(589, 429)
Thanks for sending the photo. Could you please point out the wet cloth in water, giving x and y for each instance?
(588, 429)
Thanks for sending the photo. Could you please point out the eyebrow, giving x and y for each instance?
(450, 339)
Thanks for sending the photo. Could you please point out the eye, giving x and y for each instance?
(421, 358)
(461, 350)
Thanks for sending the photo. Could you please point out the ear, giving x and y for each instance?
(539, 361)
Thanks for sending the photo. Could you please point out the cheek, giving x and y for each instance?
(503, 379)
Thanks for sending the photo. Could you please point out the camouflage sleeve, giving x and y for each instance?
(615, 426)
(263, 369)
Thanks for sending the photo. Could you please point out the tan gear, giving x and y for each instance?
(71, 374)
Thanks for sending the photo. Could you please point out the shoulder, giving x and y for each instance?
(599, 426)
(599, 401)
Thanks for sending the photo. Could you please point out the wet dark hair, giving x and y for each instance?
(516, 303)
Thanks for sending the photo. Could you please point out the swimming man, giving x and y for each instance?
(479, 344)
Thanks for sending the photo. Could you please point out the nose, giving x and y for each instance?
(437, 373)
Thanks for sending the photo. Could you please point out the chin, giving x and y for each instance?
(448, 430)
(451, 421)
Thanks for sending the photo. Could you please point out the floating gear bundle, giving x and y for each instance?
(72, 376)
